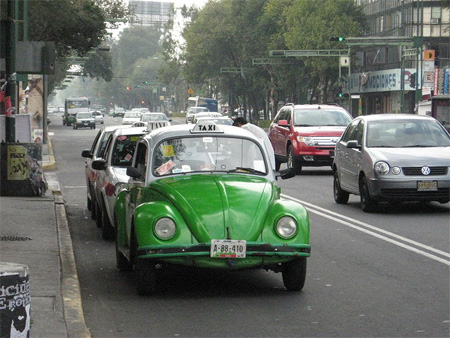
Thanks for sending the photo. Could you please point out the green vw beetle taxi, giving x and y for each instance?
(205, 196)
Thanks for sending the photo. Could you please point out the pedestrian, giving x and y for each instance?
(260, 133)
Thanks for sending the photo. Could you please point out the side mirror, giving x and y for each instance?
(283, 123)
(353, 144)
(86, 153)
(286, 173)
(134, 172)
(99, 165)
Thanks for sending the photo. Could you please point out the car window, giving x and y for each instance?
(141, 159)
(349, 133)
(201, 153)
(321, 117)
(406, 133)
(103, 141)
(96, 140)
(123, 150)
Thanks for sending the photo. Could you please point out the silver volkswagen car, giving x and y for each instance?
(393, 158)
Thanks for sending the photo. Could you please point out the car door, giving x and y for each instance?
(347, 158)
(277, 133)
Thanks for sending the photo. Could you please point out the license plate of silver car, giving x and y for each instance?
(427, 185)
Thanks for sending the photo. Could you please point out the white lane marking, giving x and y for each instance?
(346, 221)
(74, 186)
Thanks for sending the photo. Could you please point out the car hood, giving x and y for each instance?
(320, 131)
(408, 157)
(214, 205)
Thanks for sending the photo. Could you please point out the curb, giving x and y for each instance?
(70, 287)
(51, 164)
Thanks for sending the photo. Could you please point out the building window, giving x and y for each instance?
(436, 12)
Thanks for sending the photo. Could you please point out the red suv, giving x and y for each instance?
(305, 135)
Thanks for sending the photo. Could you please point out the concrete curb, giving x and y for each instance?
(51, 164)
(70, 287)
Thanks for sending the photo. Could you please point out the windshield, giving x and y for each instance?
(154, 117)
(206, 153)
(321, 117)
(406, 133)
(131, 115)
(84, 115)
(77, 103)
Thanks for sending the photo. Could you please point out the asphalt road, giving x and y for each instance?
(384, 274)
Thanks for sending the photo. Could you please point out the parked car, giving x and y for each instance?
(98, 117)
(111, 171)
(84, 120)
(192, 111)
(204, 195)
(305, 135)
(96, 151)
(393, 158)
(119, 112)
(130, 117)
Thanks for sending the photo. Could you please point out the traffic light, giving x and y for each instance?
(337, 38)
(412, 80)
(128, 88)
(339, 92)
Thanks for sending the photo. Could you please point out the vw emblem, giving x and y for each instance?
(425, 170)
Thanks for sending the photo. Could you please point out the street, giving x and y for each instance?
(381, 274)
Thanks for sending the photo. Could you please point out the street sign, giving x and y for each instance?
(344, 61)
(190, 91)
(428, 54)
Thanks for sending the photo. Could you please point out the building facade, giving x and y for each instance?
(394, 78)
(151, 13)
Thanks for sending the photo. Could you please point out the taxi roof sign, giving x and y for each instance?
(206, 127)
(152, 125)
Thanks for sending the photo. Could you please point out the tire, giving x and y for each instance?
(107, 228)
(294, 274)
(292, 163)
(340, 196)
(145, 277)
(367, 203)
(122, 263)
(98, 214)
(89, 204)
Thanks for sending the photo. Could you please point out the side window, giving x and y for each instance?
(359, 132)
(94, 144)
(104, 150)
(288, 115)
(277, 117)
(282, 115)
(349, 133)
(141, 159)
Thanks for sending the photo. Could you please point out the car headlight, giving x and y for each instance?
(165, 228)
(382, 168)
(286, 227)
(307, 140)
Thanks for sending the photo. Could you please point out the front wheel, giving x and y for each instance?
(292, 162)
(145, 277)
(294, 274)
(340, 196)
(367, 203)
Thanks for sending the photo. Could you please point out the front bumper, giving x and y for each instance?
(406, 189)
(258, 255)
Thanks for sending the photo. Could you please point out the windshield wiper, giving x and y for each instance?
(246, 170)
(303, 125)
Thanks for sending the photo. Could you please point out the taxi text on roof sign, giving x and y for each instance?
(206, 127)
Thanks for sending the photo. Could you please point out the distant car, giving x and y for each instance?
(119, 112)
(216, 120)
(145, 110)
(111, 170)
(192, 111)
(96, 152)
(155, 117)
(204, 195)
(84, 120)
(98, 117)
(130, 117)
(392, 158)
(305, 135)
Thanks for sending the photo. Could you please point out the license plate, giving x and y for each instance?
(226, 248)
(85, 123)
(427, 186)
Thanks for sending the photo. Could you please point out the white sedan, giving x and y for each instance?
(130, 117)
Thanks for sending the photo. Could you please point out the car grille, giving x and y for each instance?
(443, 193)
(417, 171)
(319, 141)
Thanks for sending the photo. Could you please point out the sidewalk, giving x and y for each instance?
(34, 231)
